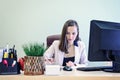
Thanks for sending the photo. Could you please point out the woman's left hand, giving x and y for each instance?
(70, 64)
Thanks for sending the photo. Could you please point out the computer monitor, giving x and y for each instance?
(104, 43)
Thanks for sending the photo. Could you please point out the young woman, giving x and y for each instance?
(70, 50)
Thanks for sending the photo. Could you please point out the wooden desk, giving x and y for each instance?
(73, 75)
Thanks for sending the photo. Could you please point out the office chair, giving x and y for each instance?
(51, 38)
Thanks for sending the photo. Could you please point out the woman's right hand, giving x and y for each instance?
(49, 61)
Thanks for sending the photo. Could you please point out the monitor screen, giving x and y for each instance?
(104, 42)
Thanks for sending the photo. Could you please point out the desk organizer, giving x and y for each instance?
(9, 64)
(9, 69)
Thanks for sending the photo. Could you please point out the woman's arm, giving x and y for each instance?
(83, 61)
(48, 55)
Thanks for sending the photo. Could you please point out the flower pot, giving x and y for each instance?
(33, 65)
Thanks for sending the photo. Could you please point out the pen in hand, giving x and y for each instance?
(49, 60)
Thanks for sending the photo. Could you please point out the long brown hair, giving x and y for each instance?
(63, 46)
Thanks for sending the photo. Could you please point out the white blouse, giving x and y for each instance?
(80, 54)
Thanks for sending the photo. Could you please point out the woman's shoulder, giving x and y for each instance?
(81, 43)
(55, 42)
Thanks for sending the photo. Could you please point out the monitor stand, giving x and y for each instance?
(115, 64)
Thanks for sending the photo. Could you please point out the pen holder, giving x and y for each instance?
(8, 66)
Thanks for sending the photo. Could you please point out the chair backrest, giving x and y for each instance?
(51, 38)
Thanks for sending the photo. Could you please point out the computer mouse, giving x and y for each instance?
(67, 68)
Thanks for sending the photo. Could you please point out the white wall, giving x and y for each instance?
(24, 21)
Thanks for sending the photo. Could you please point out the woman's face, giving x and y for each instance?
(71, 34)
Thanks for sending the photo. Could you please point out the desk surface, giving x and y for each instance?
(66, 75)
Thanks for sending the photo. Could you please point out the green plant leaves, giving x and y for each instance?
(34, 49)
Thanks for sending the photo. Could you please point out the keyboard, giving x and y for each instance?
(96, 68)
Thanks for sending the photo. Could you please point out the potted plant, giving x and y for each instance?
(34, 64)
